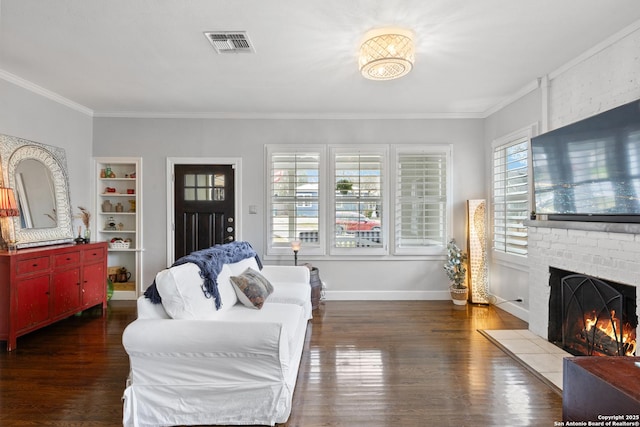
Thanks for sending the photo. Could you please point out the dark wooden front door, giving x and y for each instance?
(204, 207)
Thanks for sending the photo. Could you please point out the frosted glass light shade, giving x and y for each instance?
(386, 56)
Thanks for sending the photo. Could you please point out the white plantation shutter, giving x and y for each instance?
(358, 203)
(511, 196)
(294, 202)
(421, 199)
(337, 199)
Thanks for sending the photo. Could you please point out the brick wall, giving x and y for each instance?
(606, 251)
(602, 79)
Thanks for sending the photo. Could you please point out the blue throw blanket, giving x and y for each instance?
(210, 261)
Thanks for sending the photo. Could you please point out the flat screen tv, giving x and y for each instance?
(590, 170)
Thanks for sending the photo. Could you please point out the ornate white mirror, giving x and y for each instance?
(38, 174)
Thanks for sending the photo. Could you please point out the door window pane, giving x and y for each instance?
(204, 187)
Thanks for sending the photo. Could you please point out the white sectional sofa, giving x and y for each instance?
(193, 364)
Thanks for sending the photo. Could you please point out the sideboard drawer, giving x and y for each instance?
(33, 265)
(93, 254)
(70, 258)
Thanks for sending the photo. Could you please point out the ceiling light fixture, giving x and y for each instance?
(386, 54)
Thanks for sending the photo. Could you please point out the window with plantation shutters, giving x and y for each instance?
(294, 199)
(511, 196)
(358, 200)
(421, 199)
(358, 210)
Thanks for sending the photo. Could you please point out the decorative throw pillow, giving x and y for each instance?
(182, 297)
(252, 288)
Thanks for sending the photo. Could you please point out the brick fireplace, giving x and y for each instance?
(603, 250)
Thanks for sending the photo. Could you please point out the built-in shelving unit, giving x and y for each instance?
(119, 221)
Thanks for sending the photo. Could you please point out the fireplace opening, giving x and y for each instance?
(589, 316)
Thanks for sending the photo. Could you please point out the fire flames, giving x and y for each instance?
(606, 335)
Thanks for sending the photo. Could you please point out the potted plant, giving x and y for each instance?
(457, 273)
(532, 215)
(344, 186)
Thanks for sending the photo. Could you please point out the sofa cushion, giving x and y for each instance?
(291, 317)
(182, 297)
(227, 291)
(290, 293)
(237, 268)
(252, 288)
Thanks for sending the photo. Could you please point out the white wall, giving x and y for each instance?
(156, 139)
(600, 79)
(28, 115)
(509, 281)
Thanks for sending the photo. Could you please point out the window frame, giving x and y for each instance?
(325, 246)
(521, 135)
(447, 149)
(383, 151)
(270, 150)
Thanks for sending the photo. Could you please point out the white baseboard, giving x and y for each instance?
(386, 295)
(514, 308)
(124, 296)
(508, 306)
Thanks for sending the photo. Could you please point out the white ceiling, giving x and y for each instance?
(150, 57)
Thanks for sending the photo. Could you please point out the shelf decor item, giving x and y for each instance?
(118, 243)
(85, 216)
(107, 206)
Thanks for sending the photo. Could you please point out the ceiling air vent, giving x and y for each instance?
(230, 41)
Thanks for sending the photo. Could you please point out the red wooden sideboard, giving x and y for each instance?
(40, 286)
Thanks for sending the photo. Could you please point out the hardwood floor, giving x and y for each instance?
(366, 363)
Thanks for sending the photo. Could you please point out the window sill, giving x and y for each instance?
(517, 262)
(286, 259)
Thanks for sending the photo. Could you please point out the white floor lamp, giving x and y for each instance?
(477, 251)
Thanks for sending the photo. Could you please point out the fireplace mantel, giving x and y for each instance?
(606, 227)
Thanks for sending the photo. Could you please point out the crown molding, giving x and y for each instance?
(526, 89)
(283, 116)
(39, 90)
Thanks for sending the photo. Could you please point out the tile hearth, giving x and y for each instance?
(537, 354)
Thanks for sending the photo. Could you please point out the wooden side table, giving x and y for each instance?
(595, 387)
(316, 287)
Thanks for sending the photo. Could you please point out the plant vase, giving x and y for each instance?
(459, 295)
